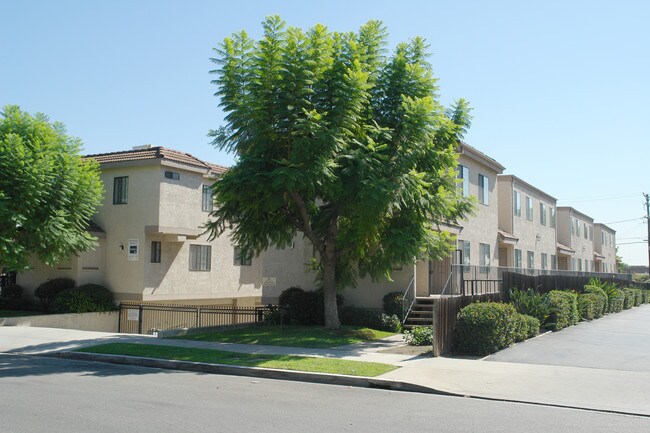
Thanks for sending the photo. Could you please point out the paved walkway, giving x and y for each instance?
(559, 378)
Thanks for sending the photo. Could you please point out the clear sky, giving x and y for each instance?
(560, 89)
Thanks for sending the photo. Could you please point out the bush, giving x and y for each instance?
(646, 296)
(485, 327)
(638, 297)
(564, 310)
(389, 323)
(393, 304)
(304, 308)
(87, 298)
(48, 291)
(588, 304)
(371, 318)
(533, 325)
(530, 303)
(11, 297)
(521, 328)
(615, 297)
(630, 298)
(604, 299)
(419, 336)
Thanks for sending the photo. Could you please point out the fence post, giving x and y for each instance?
(435, 350)
(140, 313)
(119, 319)
(198, 316)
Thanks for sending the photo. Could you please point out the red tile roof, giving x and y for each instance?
(157, 152)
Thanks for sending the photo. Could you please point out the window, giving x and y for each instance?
(591, 233)
(483, 189)
(155, 252)
(579, 265)
(529, 208)
(172, 175)
(518, 260)
(464, 247)
(484, 257)
(542, 214)
(586, 231)
(206, 202)
(573, 264)
(553, 262)
(593, 266)
(552, 212)
(544, 261)
(200, 257)
(121, 190)
(463, 174)
(573, 226)
(577, 228)
(530, 259)
(517, 203)
(242, 260)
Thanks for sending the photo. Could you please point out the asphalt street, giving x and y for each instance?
(39, 394)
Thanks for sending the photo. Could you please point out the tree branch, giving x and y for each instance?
(306, 224)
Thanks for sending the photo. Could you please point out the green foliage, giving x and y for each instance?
(370, 318)
(533, 325)
(393, 304)
(303, 307)
(419, 336)
(630, 298)
(638, 297)
(485, 327)
(603, 299)
(531, 303)
(11, 297)
(340, 141)
(646, 296)
(47, 201)
(49, 290)
(564, 310)
(615, 296)
(588, 305)
(84, 299)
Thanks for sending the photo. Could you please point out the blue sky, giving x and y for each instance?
(560, 89)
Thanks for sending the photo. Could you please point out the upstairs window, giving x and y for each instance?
(542, 214)
(463, 175)
(591, 233)
(172, 175)
(516, 202)
(529, 208)
(483, 189)
(241, 259)
(206, 199)
(200, 256)
(552, 213)
(586, 231)
(155, 251)
(121, 190)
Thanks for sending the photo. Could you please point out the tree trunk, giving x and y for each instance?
(328, 262)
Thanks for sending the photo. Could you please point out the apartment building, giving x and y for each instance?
(153, 246)
(527, 225)
(605, 249)
(575, 240)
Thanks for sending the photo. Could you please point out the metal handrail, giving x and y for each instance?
(408, 298)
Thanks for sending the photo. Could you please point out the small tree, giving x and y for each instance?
(340, 142)
(48, 193)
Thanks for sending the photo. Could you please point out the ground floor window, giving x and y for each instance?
(484, 258)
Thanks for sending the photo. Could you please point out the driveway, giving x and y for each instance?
(615, 342)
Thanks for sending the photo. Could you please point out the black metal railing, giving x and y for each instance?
(144, 318)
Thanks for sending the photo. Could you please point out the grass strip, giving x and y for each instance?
(292, 336)
(283, 362)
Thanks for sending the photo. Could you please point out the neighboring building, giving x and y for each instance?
(527, 225)
(605, 249)
(575, 239)
(153, 246)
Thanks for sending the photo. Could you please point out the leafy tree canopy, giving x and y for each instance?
(340, 141)
(48, 193)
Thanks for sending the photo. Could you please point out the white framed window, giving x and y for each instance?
(577, 228)
(542, 214)
(484, 257)
(463, 186)
(121, 190)
(483, 189)
(516, 203)
(586, 232)
(518, 259)
(544, 261)
(530, 260)
(200, 257)
(241, 259)
(206, 199)
(529, 208)
(552, 214)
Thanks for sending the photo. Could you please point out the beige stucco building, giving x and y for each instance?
(575, 237)
(527, 225)
(605, 249)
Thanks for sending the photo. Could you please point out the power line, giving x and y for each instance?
(625, 221)
(632, 243)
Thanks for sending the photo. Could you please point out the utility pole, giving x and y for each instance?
(647, 220)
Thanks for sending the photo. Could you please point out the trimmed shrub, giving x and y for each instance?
(533, 325)
(370, 318)
(99, 294)
(419, 336)
(88, 298)
(521, 328)
(389, 323)
(11, 297)
(393, 304)
(604, 299)
(646, 296)
(564, 310)
(630, 298)
(531, 303)
(49, 290)
(638, 297)
(588, 305)
(485, 327)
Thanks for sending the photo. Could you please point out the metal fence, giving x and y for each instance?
(142, 318)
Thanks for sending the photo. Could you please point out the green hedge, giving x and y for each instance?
(646, 296)
(531, 303)
(86, 298)
(564, 310)
(371, 318)
(305, 308)
(604, 299)
(590, 306)
(485, 327)
(616, 302)
(630, 298)
(525, 327)
(50, 290)
(393, 304)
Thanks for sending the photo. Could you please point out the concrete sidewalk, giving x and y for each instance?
(588, 388)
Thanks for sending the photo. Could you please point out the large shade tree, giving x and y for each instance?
(48, 193)
(340, 141)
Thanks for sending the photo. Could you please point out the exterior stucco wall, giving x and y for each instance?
(506, 209)
(483, 227)
(606, 250)
(584, 248)
(181, 200)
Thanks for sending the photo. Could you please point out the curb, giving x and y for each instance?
(265, 373)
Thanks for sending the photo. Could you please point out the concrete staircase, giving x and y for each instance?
(421, 314)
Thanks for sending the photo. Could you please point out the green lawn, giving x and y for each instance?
(284, 362)
(18, 313)
(292, 336)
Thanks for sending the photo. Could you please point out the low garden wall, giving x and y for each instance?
(100, 322)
